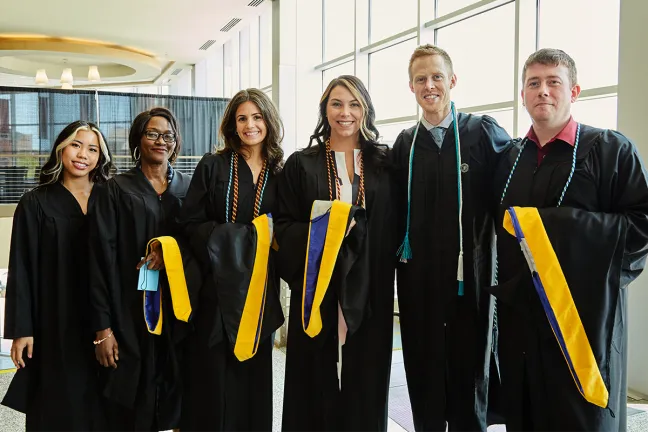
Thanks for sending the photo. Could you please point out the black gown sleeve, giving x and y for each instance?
(195, 223)
(400, 172)
(22, 279)
(102, 221)
(496, 140)
(291, 224)
(629, 184)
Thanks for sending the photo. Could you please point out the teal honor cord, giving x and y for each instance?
(405, 250)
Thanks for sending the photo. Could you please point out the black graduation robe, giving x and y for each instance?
(47, 299)
(222, 392)
(446, 337)
(144, 391)
(312, 398)
(600, 237)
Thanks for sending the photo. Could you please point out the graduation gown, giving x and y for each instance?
(600, 238)
(224, 391)
(446, 337)
(312, 396)
(47, 299)
(144, 391)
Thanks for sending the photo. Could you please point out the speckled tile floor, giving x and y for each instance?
(12, 421)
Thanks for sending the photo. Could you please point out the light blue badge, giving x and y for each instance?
(148, 279)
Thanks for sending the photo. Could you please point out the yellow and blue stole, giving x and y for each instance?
(552, 288)
(153, 314)
(249, 331)
(327, 228)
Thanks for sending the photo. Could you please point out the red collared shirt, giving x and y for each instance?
(568, 135)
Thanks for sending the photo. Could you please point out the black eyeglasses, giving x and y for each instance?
(153, 136)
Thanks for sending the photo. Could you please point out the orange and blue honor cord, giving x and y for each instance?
(405, 249)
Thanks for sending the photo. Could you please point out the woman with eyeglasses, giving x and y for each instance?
(141, 379)
(47, 300)
(227, 220)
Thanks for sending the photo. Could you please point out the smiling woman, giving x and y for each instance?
(350, 354)
(47, 297)
(141, 369)
(228, 378)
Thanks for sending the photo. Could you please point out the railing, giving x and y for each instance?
(19, 173)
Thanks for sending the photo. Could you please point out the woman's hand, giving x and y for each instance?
(351, 225)
(17, 348)
(107, 352)
(154, 258)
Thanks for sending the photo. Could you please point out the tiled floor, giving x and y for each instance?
(400, 416)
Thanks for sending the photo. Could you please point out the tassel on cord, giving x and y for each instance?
(405, 250)
(460, 276)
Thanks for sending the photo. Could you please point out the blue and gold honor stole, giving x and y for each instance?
(174, 268)
(249, 331)
(327, 228)
(552, 288)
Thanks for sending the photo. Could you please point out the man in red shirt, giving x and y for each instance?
(572, 234)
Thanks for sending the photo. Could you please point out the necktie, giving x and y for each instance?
(437, 135)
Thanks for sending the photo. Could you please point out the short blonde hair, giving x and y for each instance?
(429, 50)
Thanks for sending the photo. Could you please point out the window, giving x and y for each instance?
(598, 112)
(387, 20)
(446, 6)
(482, 53)
(592, 39)
(389, 81)
(389, 132)
(339, 28)
(265, 39)
(244, 57)
(503, 118)
(334, 72)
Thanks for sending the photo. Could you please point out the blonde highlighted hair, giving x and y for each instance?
(53, 168)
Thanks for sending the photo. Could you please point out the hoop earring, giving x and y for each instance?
(136, 154)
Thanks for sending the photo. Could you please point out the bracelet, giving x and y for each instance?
(97, 342)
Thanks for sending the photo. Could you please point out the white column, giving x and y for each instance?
(633, 94)
(309, 80)
(284, 60)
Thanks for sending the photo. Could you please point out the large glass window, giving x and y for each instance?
(444, 7)
(265, 39)
(503, 118)
(485, 69)
(388, 19)
(598, 112)
(389, 132)
(334, 72)
(339, 29)
(389, 81)
(592, 39)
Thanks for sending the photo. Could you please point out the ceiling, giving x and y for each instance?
(131, 41)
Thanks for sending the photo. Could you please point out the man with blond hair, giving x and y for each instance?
(445, 166)
(572, 234)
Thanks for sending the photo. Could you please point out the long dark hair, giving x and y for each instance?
(139, 127)
(53, 168)
(374, 154)
(271, 149)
